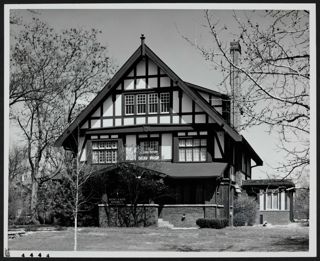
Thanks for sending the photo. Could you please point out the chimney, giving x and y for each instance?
(235, 52)
(142, 44)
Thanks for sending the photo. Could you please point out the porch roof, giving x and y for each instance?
(268, 183)
(193, 170)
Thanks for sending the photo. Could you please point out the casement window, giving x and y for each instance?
(149, 149)
(141, 103)
(153, 102)
(274, 200)
(129, 104)
(104, 152)
(164, 102)
(192, 149)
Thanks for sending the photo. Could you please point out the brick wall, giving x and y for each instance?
(174, 214)
(275, 217)
(111, 216)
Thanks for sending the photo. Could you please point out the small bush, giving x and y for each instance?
(239, 219)
(244, 210)
(212, 223)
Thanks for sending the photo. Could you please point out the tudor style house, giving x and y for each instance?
(150, 114)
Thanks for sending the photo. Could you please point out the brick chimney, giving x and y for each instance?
(235, 52)
(142, 44)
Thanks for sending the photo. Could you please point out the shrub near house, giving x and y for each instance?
(245, 210)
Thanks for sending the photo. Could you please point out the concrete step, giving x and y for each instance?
(164, 223)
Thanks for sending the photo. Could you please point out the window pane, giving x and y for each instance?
(153, 102)
(114, 156)
(269, 203)
(95, 157)
(203, 142)
(154, 146)
(165, 102)
(95, 145)
(188, 154)
(275, 201)
(182, 142)
(108, 156)
(182, 155)
(102, 156)
(141, 103)
(129, 104)
(196, 142)
(189, 142)
(196, 154)
(203, 154)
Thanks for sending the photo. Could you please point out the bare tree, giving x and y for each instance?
(274, 71)
(52, 76)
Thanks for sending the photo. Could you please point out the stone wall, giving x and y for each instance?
(123, 216)
(275, 217)
(186, 215)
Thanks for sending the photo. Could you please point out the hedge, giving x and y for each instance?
(212, 223)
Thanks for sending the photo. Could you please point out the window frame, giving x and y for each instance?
(125, 104)
(114, 151)
(139, 103)
(147, 154)
(154, 94)
(200, 147)
(166, 104)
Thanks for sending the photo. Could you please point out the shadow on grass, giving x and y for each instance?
(294, 243)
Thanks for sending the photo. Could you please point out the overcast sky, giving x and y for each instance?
(163, 29)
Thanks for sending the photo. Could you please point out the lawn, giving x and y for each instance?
(257, 238)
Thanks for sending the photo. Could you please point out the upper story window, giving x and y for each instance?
(141, 103)
(153, 102)
(129, 104)
(192, 149)
(164, 102)
(104, 152)
(149, 149)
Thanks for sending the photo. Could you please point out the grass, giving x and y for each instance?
(276, 238)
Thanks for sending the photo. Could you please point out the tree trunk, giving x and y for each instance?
(34, 202)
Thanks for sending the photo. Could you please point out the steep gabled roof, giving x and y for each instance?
(190, 89)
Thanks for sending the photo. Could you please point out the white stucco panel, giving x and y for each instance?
(186, 103)
(118, 109)
(108, 107)
(141, 68)
(153, 69)
(166, 146)
(131, 143)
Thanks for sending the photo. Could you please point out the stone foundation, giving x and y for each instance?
(147, 214)
(123, 216)
(186, 215)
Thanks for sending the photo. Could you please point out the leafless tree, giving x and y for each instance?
(52, 76)
(274, 71)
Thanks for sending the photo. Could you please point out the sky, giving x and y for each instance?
(164, 31)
